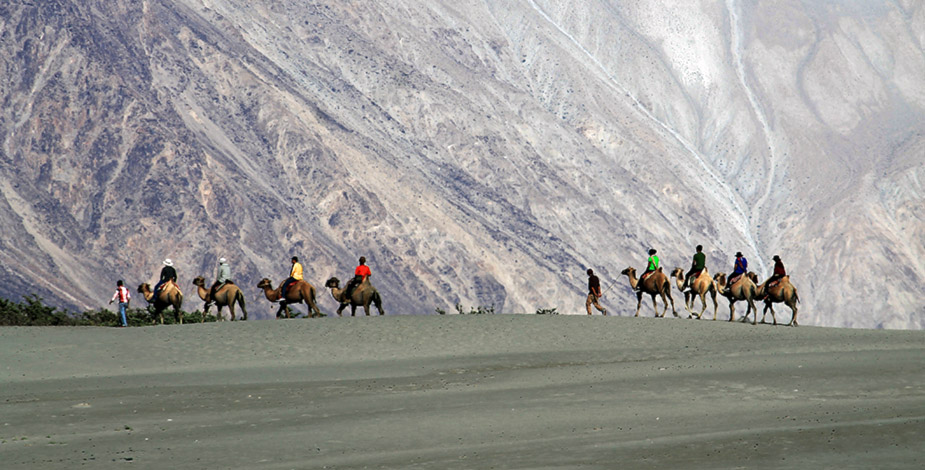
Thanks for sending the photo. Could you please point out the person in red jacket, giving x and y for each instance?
(360, 274)
(779, 271)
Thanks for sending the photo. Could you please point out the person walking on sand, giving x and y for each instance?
(594, 293)
(124, 297)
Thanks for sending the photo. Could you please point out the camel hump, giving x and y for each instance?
(659, 269)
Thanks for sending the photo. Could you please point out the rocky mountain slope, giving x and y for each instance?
(482, 153)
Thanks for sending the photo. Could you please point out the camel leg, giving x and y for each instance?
(638, 302)
(767, 305)
(655, 306)
(732, 310)
(674, 311)
(353, 310)
(715, 305)
(752, 308)
(341, 309)
(703, 302)
(366, 308)
(793, 319)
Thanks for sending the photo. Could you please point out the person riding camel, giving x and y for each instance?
(295, 275)
(360, 274)
(740, 268)
(697, 266)
(651, 267)
(168, 274)
(223, 277)
(779, 272)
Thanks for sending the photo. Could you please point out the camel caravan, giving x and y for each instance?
(697, 283)
(741, 285)
(359, 291)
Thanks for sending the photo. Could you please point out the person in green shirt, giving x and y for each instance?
(698, 265)
(651, 266)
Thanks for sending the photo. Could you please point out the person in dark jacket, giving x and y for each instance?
(594, 293)
(779, 271)
(168, 274)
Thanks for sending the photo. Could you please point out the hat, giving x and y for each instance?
(222, 260)
(167, 262)
(738, 254)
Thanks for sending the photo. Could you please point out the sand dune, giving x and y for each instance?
(473, 391)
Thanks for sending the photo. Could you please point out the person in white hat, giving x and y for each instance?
(223, 277)
(168, 274)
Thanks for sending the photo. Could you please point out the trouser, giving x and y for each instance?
(215, 288)
(351, 286)
(690, 276)
(592, 300)
(122, 307)
(282, 292)
(733, 279)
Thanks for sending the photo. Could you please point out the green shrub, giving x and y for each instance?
(33, 312)
(546, 311)
(480, 310)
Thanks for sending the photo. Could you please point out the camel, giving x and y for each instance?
(699, 287)
(743, 289)
(655, 284)
(170, 295)
(298, 292)
(363, 294)
(784, 292)
(229, 295)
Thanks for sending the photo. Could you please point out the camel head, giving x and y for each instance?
(751, 275)
(265, 284)
(678, 273)
(333, 283)
(630, 271)
(144, 288)
(199, 281)
(720, 278)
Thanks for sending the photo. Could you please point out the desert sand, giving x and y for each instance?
(462, 391)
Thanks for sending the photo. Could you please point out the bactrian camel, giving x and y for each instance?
(298, 292)
(782, 292)
(742, 289)
(229, 294)
(654, 284)
(364, 294)
(699, 287)
(169, 295)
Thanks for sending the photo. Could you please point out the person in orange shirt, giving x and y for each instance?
(360, 274)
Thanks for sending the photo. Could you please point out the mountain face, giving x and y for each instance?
(477, 153)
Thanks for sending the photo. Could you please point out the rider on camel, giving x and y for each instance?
(651, 266)
(360, 274)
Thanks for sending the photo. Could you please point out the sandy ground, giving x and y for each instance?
(472, 391)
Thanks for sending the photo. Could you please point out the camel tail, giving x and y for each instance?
(378, 301)
(240, 298)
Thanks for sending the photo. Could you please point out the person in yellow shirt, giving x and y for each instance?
(295, 275)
